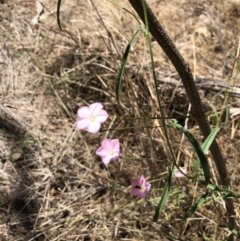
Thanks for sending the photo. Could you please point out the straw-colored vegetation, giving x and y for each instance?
(53, 186)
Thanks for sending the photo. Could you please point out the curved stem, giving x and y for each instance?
(185, 73)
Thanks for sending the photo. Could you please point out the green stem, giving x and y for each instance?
(156, 87)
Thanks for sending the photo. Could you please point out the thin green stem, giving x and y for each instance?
(155, 84)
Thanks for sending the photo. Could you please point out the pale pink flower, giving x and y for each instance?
(91, 117)
(140, 187)
(109, 150)
(179, 174)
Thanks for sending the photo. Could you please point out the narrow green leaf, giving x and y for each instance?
(164, 197)
(198, 149)
(58, 14)
(208, 142)
(225, 192)
(205, 197)
(123, 64)
(213, 187)
(205, 147)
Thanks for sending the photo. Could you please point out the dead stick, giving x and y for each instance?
(197, 108)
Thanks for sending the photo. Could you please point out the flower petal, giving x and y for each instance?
(95, 108)
(82, 123)
(179, 174)
(101, 116)
(115, 144)
(136, 192)
(114, 156)
(102, 152)
(106, 160)
(94, 127)
(84, 112)
(143, 194)
(135, 183)
(142, 181)
(147, 186)
(106, 143)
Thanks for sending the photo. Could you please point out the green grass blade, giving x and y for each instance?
(198, 149)
(225, 192)
(205, 197)
(58, 14)
(208, 142)
(123, 64)
(163, 199)
(205, 147)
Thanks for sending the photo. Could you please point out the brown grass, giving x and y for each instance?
(53, 187)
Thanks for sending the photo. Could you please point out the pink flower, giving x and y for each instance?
(140, 187)
(179, 174)
(91, 117)
(109, 150)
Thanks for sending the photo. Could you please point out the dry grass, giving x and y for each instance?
(53, 187)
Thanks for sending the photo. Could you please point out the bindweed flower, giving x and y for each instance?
(91, 117)
(109, 150)
(179, 174)
(140, 187)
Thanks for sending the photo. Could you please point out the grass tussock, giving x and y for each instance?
(53, 186)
